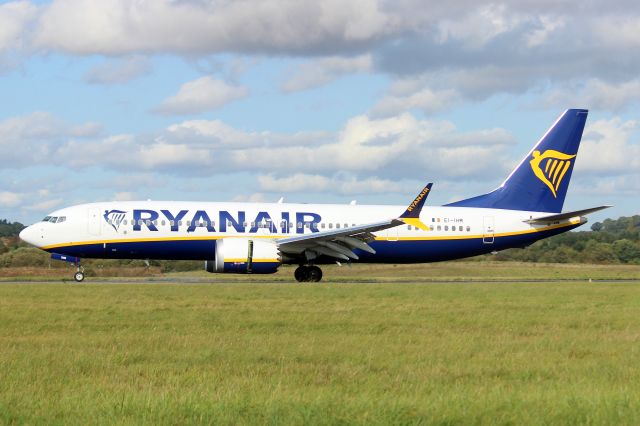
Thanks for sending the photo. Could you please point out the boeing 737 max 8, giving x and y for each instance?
(258, 237)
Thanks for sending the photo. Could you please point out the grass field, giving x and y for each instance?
(430, 272)
(393, 353)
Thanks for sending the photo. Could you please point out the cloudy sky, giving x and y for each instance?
(316, 101)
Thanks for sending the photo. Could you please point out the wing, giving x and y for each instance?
(564, 216)
(340, 243)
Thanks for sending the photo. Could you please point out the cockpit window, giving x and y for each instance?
(54, 219)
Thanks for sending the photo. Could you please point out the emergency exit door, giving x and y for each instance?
(488, 234)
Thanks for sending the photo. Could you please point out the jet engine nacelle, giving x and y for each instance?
(244, 256)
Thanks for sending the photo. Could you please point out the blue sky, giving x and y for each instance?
(319, 101)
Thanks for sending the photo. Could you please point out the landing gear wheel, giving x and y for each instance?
(314, 274)
(305, 274)
(79, 276)
(301, 274)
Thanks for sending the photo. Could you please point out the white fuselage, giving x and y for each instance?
(186, 230)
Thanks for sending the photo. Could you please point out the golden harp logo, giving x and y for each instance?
(550, 167)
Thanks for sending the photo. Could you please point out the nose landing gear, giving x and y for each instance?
(79, 275)
(308, 274)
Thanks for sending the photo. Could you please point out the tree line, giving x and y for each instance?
(610, 241)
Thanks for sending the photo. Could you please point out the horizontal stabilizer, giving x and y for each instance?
(564, 216)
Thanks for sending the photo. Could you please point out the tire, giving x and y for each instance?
(79, 277)
(301, 274)
(315, 274)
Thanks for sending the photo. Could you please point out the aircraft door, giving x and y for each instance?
(489, 231)
(94, 221)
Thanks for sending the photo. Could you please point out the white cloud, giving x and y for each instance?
(200, 95)
(608, 150)
(114, 27)
(598, 94)
(45, 205)
(366, 148)
(125, 196)
(10, 199)
(425, 99)
(14, 17)
(322, 71)
(479, 26)
(349, 185)
(118, 71)
(548, 24)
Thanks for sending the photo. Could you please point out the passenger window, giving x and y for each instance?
(460, 228)
(346, 225)
(188, 223)
(322, 225)
(468, 228)
(439, 228)
(124, 222)
(337, 226)
(431, 227)
(331, 226)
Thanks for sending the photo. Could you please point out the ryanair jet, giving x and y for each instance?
(256, 238)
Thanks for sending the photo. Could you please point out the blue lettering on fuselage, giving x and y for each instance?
(301, 222)
(144, 216)
(237, 221)
(201, 220)
(227, 219)
(263, 220)
(174, 220)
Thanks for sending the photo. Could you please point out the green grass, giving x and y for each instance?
(443, 271)
(465, 353)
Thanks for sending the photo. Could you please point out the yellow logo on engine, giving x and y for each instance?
(550, 167)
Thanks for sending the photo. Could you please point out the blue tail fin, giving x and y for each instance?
(540, 181)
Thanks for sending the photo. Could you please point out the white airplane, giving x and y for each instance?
(256, 238)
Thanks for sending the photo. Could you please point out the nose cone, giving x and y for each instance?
(30, 236)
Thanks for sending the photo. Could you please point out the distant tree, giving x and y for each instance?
(10, 229)
(627, 251)
(596, 252)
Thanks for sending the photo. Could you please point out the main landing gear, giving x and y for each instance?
(308, 274)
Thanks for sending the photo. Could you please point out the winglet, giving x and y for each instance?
(411, 215)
